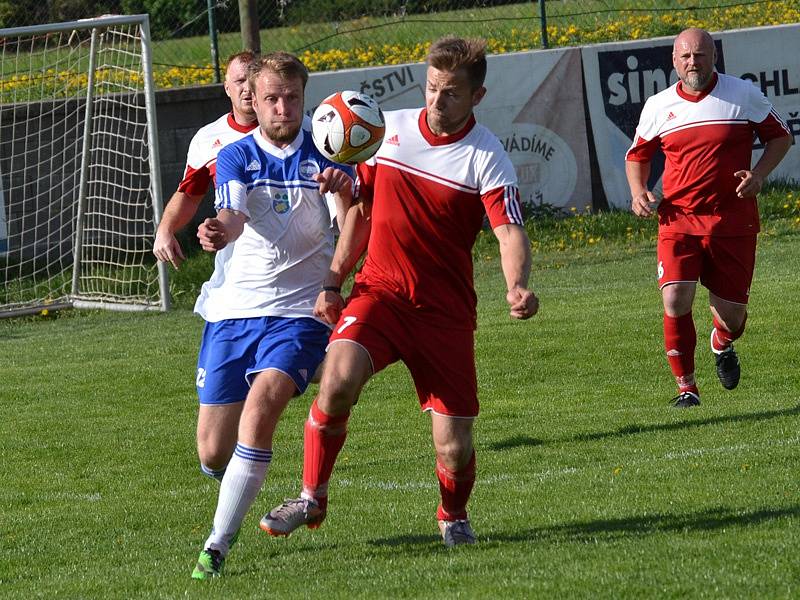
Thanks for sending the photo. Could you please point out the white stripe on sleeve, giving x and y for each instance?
(232, 195)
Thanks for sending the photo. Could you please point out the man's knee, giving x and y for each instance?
(678, 299)
(216, 434)
(214, 453)
(455, 456)
(336, 395)
(455, 451)
(729, 315)
(347, 369)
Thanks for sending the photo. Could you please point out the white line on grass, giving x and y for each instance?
(546, 474)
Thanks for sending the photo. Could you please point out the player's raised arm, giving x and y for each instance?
(515, 259)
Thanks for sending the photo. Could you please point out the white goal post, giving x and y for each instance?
(80, 185)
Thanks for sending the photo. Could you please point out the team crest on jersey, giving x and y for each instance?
(308, 168)
(280, 203)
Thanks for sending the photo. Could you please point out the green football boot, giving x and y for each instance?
(209, 565)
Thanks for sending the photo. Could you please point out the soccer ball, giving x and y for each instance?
(348, 127)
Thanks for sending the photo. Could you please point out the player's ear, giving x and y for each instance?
(478, 95)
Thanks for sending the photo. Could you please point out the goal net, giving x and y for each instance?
(80, 189)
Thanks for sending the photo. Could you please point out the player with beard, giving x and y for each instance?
(201, 159)
(261, 341)
(708, 217)
(216, 424)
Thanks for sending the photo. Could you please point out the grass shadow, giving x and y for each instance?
(517, 441)
(712, 519)
(609, 530)
(407, 540)
(635, 429)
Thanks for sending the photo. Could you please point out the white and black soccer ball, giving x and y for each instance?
(348, 127)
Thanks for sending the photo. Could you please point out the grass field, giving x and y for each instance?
(589, 484)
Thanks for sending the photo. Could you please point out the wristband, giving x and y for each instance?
(332, 288)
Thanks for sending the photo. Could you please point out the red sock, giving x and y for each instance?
(723, 338)
(455, 488)
(680, 340)
(324, 438)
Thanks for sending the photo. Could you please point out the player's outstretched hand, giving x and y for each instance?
(524, 303)
(167, 249)
(333, 181)
(644, 204)
(749, 185)
(328, 306)
(211, 234)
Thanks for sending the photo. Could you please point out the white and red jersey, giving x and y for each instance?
(201, 160)
(706, 139)
(430, 195)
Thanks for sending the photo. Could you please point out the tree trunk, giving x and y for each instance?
(248, 21)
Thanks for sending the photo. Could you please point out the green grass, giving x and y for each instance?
(589, 485)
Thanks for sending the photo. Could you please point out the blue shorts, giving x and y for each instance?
(233, 351)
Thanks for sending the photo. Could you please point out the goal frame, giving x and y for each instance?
(94, 26)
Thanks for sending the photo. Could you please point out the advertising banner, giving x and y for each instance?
(620, 77)
(534, 105)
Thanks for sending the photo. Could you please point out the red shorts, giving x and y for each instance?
(441, 361)
(724, 265)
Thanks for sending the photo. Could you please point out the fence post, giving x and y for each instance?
(248, 21)
(212, 32)
(543, 22)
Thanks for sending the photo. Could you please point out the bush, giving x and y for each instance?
(35, 12)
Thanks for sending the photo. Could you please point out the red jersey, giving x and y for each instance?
(430, 195)
(201, 160)
(705, 140)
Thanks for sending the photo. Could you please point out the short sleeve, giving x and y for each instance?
(503, 206)
(365, 180)
(197, 176)
(767, 123)
(231, 190)
(646, 140)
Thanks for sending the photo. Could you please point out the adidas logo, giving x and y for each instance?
(216, 143)
(253, 166)
(674, 352)
(670, 116)
(394, 140)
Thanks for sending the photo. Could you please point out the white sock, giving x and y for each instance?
(243, 479)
